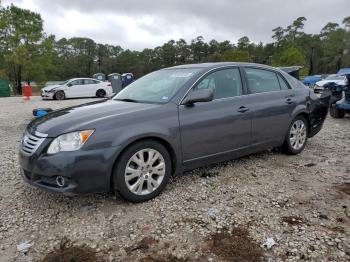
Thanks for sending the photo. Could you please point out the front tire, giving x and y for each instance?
(142, 171)
(296, 137)
(59, 95)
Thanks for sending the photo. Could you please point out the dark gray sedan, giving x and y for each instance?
(167, 122)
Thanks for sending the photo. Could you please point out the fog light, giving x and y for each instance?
(60, 181)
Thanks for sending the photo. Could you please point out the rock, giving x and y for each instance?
(24, 246)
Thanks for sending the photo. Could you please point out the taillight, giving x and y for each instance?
(109, 84)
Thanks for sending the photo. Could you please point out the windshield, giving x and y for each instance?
(63, 83)
(335, 77)
(156, 87)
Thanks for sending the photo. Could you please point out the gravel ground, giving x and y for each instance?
(224, 212)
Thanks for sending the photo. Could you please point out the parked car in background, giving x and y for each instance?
(310, 81)
(77, 87)
(166, 122)
(334, 78)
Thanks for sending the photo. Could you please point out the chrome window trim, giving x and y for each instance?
(208, 72)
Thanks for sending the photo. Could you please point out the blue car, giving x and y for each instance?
(311, 80)
(340, 98)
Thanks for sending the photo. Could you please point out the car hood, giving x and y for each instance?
(49, 88)
(85, 116)
(323, 82)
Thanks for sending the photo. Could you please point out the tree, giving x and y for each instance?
(235, 56)
(278, 35)
(183, 51)
(328, 28)
(21, 33)
(293, 30)
(199, 49)
(169, 53)
(346, 22)
(290, 56)
(243, 43)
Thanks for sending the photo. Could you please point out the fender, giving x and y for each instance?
(300, 109)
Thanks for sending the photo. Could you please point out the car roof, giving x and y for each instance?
(219, 64)
(78, 78)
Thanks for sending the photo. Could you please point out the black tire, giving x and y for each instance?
(101, 93)
(335, 112)
(60, 95)
(119, 183)
(287, 145)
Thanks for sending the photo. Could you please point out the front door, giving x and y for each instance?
(76, 88)
(220, 126)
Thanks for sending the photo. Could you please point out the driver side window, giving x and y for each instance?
(76, 82)
(224, 83)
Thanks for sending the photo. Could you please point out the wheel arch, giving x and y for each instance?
(302, 111)
(307, 117)
(59, 90)
(161, 140)
(100, 89)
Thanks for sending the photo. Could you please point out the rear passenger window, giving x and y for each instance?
(283, 83)
(224, 83)
(260, 80)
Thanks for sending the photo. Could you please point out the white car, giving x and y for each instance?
(77, 87)
(338, 79)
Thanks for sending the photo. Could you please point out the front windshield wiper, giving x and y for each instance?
(127, 100)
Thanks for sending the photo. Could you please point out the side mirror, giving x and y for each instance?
(204, 95)
(69, 84)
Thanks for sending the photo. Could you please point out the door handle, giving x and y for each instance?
(242, 109)
(289, 101)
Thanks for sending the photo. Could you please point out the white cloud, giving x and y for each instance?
(138, 24)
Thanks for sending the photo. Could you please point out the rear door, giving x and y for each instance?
(272, 104)
(91, 86)
(220, 126)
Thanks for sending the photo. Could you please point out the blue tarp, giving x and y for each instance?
(344, 71)
(312, 79)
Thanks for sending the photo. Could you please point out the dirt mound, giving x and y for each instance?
(345, 188)
(68, 252)
(237, 246)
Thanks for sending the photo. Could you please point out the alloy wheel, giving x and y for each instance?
(297, 134)
(60, 95)
(144, 171)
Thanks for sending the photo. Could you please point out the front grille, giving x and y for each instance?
(30, 142)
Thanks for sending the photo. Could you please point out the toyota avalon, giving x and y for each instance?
(169, 121)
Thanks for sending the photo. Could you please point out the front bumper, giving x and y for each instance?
(46, 95)
(83, 171)
(318, 89)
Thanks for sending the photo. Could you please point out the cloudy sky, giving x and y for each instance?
(137, 24)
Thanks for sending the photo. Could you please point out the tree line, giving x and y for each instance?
(27, 53)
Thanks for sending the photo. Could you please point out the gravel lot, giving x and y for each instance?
(221, 213)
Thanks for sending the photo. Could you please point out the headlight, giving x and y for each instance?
(69, 142)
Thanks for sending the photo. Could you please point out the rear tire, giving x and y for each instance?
(100, 93)
(59, 95)
(142, 171)
(335, 112)
(296, 137)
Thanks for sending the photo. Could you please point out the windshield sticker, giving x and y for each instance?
(181, 75)
(165, 98)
